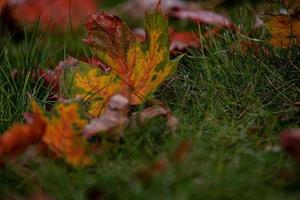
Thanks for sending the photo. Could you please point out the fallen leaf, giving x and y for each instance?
(137, 68)
(180, 41)
(60, 133)
(165, 163)
(2, 4)
(290, 142)
(63, 133)
(56, 14)
(142, 6)
(285, 30)
(158, 109)
(112, 121)
(293, 6)
(204, 16)
(51, 78)
(20, 136)
(154, 169)
(182, 151)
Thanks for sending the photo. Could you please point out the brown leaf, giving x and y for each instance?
(285, 30)
(112, 121)
(180, 41)
(163, 164)
(154, 169)
(158, 109)
(56, 14)
(293, 6)
(182, 151)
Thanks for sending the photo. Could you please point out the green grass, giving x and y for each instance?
(231, 106)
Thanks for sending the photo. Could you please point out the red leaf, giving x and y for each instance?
(182, 40)
(290, 141)
(2, 4)
(58, 14)
(19, 137)
(182, 151)
(203, 16)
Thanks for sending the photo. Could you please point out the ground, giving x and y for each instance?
(232, 104)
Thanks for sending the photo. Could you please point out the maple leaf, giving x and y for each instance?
(285, 30)
(137, 68)
(63, 133)
(59, 132)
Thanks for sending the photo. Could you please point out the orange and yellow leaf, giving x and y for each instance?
(285, 31)
(63, 133)
(137, 68)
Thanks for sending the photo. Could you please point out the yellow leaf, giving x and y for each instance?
(63, 133)
(137, 68)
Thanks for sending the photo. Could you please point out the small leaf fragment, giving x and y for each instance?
(182, 40)
(290, 142)
(165, 163)
(19, 137)
(285, 31)
(62, 135)
(204, 16)
(158, 109)
(112, 121)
